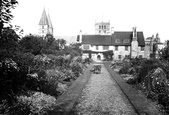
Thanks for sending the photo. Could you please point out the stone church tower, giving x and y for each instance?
(134, 44)
(102, 28)
(45, 24)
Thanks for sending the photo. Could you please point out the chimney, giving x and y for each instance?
(80, 36)
(134, 34)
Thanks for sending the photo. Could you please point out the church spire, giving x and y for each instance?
(45, 24)
(44, 19)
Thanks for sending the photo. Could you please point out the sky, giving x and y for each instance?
(70, 16)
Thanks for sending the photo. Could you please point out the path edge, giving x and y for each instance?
(65, 103)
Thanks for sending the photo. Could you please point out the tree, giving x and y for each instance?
(9, 42)
(108, 54)
(32, 43)
(5, 14)
(62, 43)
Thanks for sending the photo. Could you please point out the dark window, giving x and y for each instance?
(116, 48)
(99, 26)
(99, 31)
(42, 27)
(104, 26)
(119, 56)
(126, 48)
(42, 31)
(105, 47)
(86, 47)
(142, 48)
(140, 56)
(97, 47)
(104, 31)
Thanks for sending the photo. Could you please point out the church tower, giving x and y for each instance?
(134, 44)
(102, 28)
(45, 24)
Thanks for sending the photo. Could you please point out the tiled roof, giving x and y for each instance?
(44, 19)
(121, 37)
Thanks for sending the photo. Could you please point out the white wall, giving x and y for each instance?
(121, 51)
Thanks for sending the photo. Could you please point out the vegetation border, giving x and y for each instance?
(65, 103)
(141, 104)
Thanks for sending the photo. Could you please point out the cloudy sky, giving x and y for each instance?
(70, 16)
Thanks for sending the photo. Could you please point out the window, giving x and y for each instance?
(105, 47)
(117, 41)
(142, 48)
(119, 56)
(42, 31)
(42, 27)
(97, 47)
(126, 48)
(104, 31)
(99, 31)
(126, 41)
(140, 56)
(86, 47)
(116, 48)
(99, 26)
(104, 26)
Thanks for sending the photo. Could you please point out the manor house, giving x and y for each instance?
(121, 43)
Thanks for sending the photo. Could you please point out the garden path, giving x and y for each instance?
(102, 96)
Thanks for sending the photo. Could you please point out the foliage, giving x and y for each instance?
(151, 75)
(164, 53)
(33, 44)
(108, 54)
(9, 42)
(6, 16)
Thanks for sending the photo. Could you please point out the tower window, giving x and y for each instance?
(104, 26)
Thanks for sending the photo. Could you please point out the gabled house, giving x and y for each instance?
(121, 43)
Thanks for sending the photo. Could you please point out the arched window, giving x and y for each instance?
(104, 26)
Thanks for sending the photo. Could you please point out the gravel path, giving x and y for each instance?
(102, 96)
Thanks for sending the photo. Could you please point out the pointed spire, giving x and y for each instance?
(44, 19)
(49, 21)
